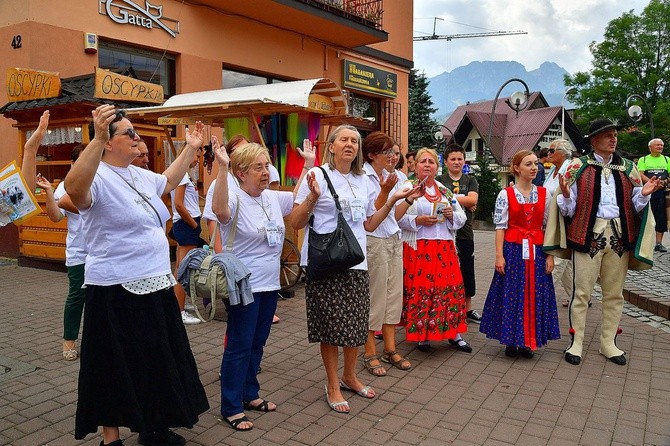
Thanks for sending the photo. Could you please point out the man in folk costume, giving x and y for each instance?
(600, 219)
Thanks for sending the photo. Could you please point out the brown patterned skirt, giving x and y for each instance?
(338, 309)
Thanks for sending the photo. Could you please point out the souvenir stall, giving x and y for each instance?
(42, 242)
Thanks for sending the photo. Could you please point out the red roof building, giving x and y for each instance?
(532, 128)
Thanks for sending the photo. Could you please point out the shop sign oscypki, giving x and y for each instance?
(127, 12)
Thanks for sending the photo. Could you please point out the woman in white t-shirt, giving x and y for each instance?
(59, 205)
(338, 306)
(255, 215)
(186, 228)
(137, 368)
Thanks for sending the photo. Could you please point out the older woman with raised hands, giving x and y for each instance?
(384, 255)
(338, 306)
(137, 369)
(433, 296)
(255, 215)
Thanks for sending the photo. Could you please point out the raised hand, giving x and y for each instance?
(43, 182)
(33, 143)
(195, 136)
(388, 182)
(220, 152)
(313, 185)
(102, 118)
(308, 153)
(405, 192)
(652, 186)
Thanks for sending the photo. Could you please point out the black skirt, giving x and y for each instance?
(137, 369)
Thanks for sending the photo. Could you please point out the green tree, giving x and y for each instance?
(633, 58)
(420, 109)
(488, 191)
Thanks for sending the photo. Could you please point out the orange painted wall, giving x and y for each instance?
(52, 34)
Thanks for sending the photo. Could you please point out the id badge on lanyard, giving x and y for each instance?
(272, 233)
(357, 209)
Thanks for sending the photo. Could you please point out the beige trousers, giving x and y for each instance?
(563, 274)
(611, 269)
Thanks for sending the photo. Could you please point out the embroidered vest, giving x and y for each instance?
(579, 228)
(525, 220)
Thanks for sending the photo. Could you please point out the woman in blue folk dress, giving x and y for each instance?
(520, 309)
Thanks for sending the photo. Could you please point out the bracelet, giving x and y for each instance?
(408, 202)
(311, 202)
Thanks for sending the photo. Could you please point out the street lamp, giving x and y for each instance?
(438, 136)
(567, 91)
(635, 111)
(518, 101)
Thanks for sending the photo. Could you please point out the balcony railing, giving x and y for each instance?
(367, 12)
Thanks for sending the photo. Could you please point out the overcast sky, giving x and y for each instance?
(559, 31)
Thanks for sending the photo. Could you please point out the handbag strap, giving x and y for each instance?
(331, 189)
(233, 230)
(332, 192)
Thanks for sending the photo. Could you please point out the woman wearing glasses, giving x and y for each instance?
(384, 255)
(137, 369)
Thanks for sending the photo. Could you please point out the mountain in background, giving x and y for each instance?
(480, 81)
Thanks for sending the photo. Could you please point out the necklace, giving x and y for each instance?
(347, 180)
(433, 198)
(607, 168)
(261, 204)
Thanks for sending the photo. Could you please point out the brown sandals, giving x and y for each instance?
(374, 370)
(402, 363)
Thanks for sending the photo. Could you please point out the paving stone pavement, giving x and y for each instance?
(448, 397)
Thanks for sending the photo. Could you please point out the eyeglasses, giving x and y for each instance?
(129, 132)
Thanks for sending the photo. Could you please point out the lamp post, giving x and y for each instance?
(635, 111)
(438, 136)
(567, 92)
(518, 101)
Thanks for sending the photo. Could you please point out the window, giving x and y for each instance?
(234, 79)
(145, 65)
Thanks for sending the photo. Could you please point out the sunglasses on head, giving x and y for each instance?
(130, 132)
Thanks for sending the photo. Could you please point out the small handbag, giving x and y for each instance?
(333, 252)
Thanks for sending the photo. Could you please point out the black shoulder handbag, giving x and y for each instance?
(334, 252)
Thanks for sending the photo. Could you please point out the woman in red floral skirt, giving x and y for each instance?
(433, 293)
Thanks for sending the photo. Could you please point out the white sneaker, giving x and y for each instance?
(188, 306)
(187, 319)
